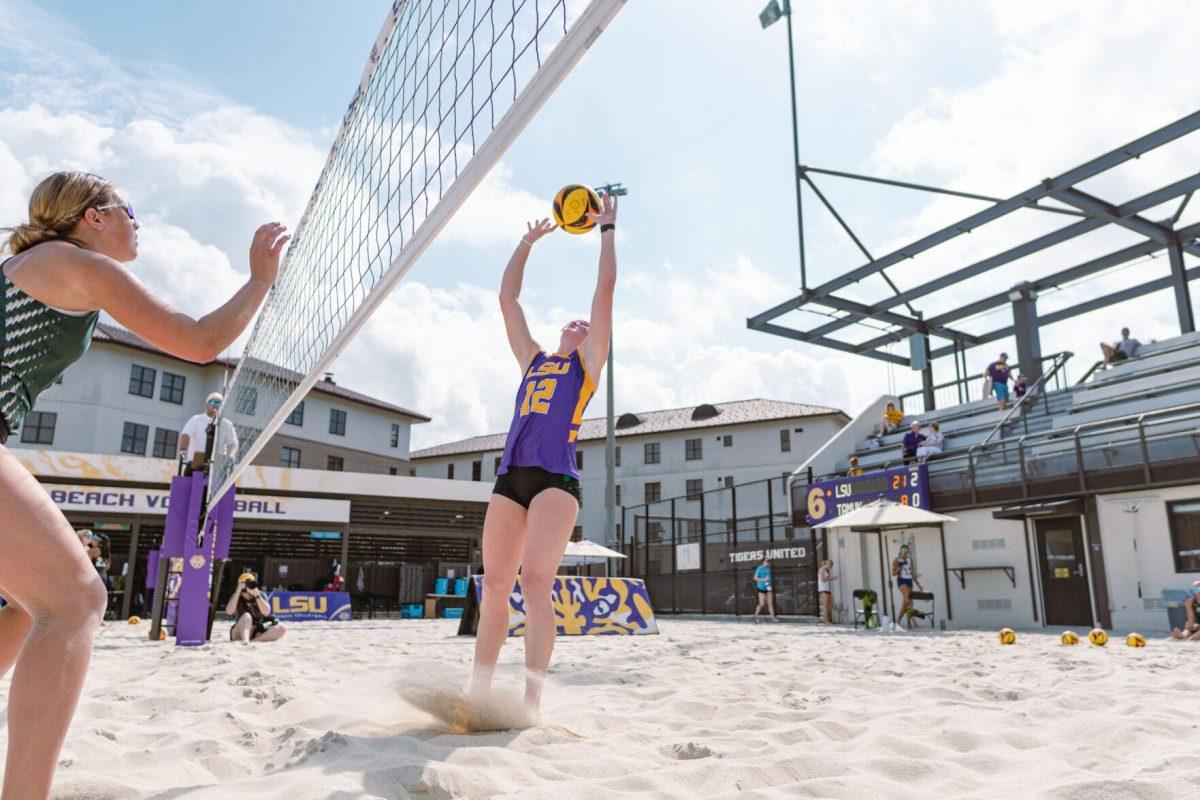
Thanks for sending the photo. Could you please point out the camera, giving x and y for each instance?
(251, 584)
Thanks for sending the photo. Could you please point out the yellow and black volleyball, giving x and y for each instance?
(572, 205)
(1070, 637)
(1098, 637)
(1007, 636)
(1135, 640)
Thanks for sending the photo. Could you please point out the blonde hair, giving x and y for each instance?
(57, 203)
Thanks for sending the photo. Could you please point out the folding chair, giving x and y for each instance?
(921, 597)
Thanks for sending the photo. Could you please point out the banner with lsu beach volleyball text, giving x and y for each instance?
(309, 606)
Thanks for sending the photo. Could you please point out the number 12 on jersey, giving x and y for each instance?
(537, 396)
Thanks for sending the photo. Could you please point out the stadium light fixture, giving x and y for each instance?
(771, 14)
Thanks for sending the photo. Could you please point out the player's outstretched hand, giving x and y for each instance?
(608, 210)
(265, 248)
(538, 229)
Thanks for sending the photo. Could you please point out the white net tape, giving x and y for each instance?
(449, 85)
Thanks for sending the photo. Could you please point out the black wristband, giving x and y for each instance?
(608, 226)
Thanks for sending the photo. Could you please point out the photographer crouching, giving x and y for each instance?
(251, 613)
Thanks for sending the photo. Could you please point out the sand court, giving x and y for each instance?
(705, 709)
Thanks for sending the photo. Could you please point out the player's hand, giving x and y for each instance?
(608, 210)
(265, 248)
(538, 229)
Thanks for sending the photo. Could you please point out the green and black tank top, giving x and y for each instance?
(37, 342)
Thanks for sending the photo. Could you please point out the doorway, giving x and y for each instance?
(1063, 566)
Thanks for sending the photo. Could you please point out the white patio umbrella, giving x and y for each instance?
(587, 550)
(884, 514)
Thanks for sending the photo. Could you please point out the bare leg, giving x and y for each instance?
(762, 600)
(827, 602)
(904, 591)
(552, 515)
(14, 627)
(46, 573)
(503, 540)
(771, 604)
(272, 634)
(242, 628)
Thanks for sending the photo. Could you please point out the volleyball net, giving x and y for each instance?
(448, 87)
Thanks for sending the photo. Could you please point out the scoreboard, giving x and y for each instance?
(817, 502)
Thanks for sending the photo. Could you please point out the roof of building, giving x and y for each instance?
(117, 335)
(738, 412)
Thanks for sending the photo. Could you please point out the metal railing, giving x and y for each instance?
(958, 391)
(1060, 362)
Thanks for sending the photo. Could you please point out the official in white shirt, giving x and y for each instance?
(194, 437)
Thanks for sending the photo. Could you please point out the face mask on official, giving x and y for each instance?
(573, 335)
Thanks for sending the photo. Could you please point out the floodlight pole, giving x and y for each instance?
(787, 10)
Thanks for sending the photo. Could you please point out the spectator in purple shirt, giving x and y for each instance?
(998, 373)
(912, 440)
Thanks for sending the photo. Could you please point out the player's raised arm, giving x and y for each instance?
(524, 348)
(595, 347)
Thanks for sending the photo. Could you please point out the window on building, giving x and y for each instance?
(617, 494)
(297, 416)
(38, 427)
(653, 492)
(653, 453)
(335, 463)
(727, 440)
(616, 456)
(166, 442)
(728, 481)
(496, 466)
(291, 457)
(578, 459)
(394, 439)
(695, 488)
(1184, 521)
(450, 471)
(476, 470)
(654, 531)
(783, 483)
(172, 388)
(785, 441)
(393, 471)
(412, 472)
(247, 401)
(577, 533)
(692, 450)
(693, 530)
(141, 381)
(337, 422)
(133, 439)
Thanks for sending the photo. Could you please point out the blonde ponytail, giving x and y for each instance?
(58, 202)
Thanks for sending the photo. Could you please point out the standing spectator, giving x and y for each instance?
(891, 419)
(1021, 387)
(825, 579)
(766, 589)
(1120, 351)
(998, 373)
(194, 437)
(855, 469)
(933, 444)
(902, 571)
(912, 440)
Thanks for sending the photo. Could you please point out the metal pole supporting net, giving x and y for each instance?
(448, 87)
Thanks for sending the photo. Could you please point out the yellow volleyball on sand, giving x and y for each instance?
(134, 620)
(572, 205)
(1135, 640)
(162, 635)
(1007, 636)
(1098, 637)
(1070, 637)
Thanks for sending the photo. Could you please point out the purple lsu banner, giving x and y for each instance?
(587, 606)
(309, 606)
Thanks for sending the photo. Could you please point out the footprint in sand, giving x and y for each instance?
(688, 751)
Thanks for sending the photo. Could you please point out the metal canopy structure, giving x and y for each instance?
(1089, 213)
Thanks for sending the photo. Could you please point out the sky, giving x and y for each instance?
(215, 117)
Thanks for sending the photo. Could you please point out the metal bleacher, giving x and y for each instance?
(1132, 424)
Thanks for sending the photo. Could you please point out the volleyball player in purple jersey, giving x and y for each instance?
(536, 498)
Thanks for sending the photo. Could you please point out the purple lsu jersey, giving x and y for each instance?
(549, 409)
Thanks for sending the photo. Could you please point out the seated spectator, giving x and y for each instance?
(912, 440)
(998, 373)
(933, 444)
(1120, 351)
(891, 419)
(253, 621)
(1191, 628)
(1021, 387)
(855, 469)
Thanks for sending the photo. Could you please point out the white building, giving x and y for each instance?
(664, 454)
(127, 397)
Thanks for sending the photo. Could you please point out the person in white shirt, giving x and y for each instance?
(194, 437)
(933, 445)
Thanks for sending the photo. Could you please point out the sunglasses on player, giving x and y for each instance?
(126, 206)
